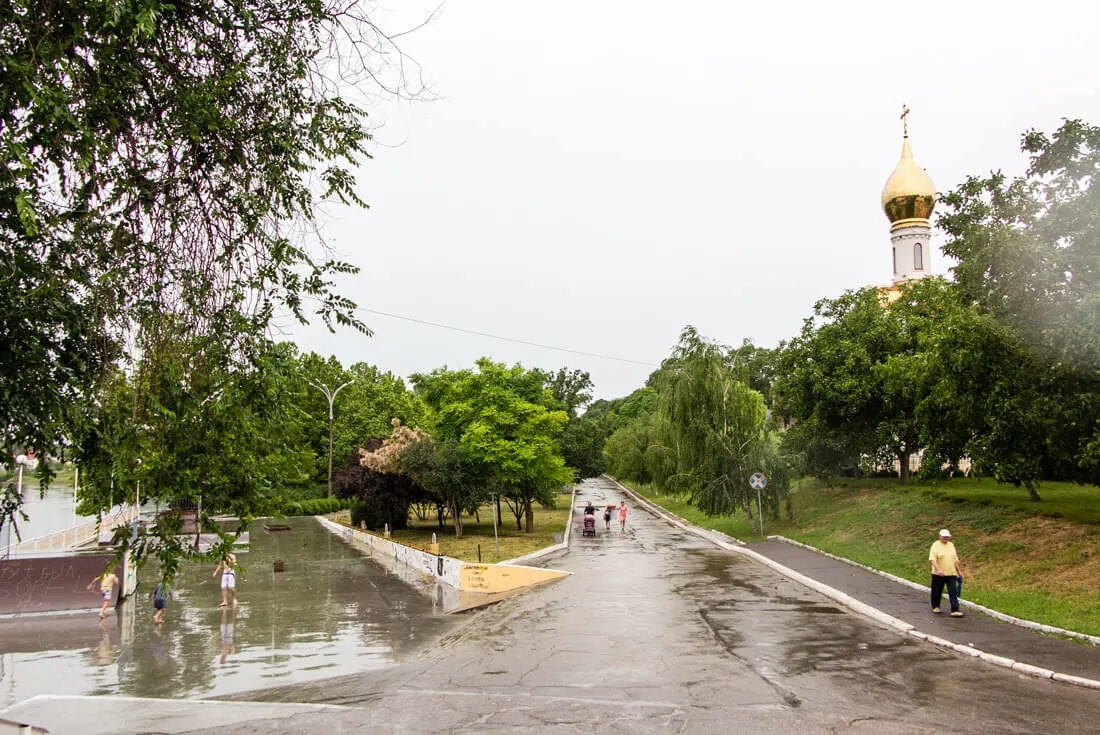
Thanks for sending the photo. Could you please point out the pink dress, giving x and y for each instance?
(622, 514)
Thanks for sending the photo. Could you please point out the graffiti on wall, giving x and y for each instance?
(50, 584)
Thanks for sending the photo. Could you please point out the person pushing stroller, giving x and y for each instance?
(589, 520)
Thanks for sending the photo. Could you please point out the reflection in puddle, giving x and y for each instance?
(329, 612)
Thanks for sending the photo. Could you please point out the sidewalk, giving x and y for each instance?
(976, 630)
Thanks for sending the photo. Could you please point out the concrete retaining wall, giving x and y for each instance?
(52, 584)
(462, 576)
(443, 568)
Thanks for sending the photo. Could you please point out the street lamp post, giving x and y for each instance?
(331, 396)
(20, 463)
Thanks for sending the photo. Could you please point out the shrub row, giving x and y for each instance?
(315, 506)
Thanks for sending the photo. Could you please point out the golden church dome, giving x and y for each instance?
(909, 193)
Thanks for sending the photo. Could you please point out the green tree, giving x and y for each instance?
(571, 388)
(835, 383)
(715, 425)
(758, 366)
(1029, 255)
(583, 438)
(627, 458)
(164, 164)
(582, 443)
(982, 397)
(369, 405)
(504, 419)
(185, 428)
(628, 448)
(445, 471)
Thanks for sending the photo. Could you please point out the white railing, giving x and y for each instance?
(72, 537)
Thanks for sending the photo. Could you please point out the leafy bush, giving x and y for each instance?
(311, 507)
(375, 518)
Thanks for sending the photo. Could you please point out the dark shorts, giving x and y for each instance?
(159, 604)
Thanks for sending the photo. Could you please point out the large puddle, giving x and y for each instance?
(330, 612)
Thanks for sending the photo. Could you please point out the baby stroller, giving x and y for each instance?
(589, 525)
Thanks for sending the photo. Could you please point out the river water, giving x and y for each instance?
(331, 611)
(46, 512)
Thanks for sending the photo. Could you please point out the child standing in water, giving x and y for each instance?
(622, 516)
(160, 601)
(107, 582)
(228, 567)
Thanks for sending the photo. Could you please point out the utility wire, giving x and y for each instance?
(505, 339)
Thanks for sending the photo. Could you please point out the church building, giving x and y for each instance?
(908, 198)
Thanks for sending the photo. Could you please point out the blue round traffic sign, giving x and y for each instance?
(758, 481)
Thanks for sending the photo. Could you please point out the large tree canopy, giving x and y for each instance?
(834, 386)
(1029, 255)
(712, 425)
(506, 420)
(163, 163)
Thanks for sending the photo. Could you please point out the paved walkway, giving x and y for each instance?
(659, 631)
(976, 630)
(912, 606)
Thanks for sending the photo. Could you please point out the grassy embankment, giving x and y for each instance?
(1039, 561)
(513, 542)
(63, 477)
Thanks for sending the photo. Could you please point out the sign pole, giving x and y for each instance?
(760, 509)
(758, 481)
(496, 539)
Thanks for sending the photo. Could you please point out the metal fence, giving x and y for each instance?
(73, 537)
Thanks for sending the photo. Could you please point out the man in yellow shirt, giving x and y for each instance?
(947, 571)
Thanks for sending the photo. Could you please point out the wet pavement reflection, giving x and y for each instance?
(658, 630)
(331, 611)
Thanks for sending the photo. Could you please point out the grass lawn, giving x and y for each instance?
(513, 543)
(1039, 561)
(63, 476)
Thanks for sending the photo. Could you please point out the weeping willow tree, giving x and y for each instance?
(713, 427)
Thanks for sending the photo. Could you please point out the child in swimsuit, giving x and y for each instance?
(228, 567)
(622, 515)
(107, 582)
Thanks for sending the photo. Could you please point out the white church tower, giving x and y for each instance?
(908, 198)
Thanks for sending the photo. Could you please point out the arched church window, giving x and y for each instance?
(918, 257)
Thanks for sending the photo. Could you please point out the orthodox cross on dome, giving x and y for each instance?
(905, 120)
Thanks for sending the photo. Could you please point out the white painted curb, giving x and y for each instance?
(868, 611)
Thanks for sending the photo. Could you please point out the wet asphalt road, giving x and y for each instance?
(657, 631)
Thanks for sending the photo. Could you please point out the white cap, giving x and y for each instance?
(945, 532)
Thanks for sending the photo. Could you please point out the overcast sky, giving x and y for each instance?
(596, 175)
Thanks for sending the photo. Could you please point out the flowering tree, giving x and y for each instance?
(387, 458)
